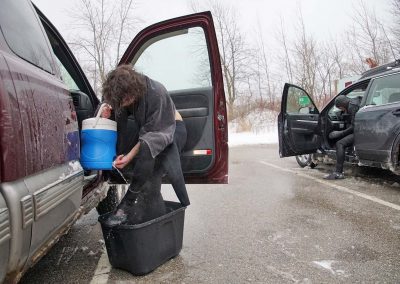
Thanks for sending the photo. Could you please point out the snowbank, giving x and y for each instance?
(251, 138)
(256, 128)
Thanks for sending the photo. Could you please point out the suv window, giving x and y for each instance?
(384, 90)
(298, 102)
(23, 34)
(334, 112)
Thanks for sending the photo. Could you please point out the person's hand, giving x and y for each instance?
(106, 112)
(335, 134)
(121, 161)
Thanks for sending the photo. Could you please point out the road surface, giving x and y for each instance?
(273, 223)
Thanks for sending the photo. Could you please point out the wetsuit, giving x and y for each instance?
(346, 137)
(161, 141)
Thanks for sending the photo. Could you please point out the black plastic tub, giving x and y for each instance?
(141, 248)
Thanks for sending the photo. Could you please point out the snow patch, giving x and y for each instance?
(327, 264)
(73, 168)
(256, 128)
(251, 138)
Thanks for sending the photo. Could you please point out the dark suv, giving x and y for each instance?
(44, 96)
(303, 129)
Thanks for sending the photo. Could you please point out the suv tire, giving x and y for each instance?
(305, 160)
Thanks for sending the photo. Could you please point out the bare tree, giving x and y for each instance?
(337, 52)
(367, 38)
(306, 58)
(301, 59)
(286, 57)
(101, 29)
(310, 64)
(329, 69)
(233, 50)
(395, 28)
(262, 74)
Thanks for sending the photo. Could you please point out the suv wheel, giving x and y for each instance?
(305, 160)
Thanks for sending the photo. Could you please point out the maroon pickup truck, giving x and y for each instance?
(44, 96)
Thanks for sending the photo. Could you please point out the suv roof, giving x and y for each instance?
(380, 70)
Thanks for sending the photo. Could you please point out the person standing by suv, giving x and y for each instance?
(162, 135)
(345, 138)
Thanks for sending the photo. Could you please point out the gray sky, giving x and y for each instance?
(323, 18)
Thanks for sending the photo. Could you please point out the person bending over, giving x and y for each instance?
(160, 140)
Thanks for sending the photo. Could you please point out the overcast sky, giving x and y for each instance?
(323, 18)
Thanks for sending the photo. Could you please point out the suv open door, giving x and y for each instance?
(182, 54)
(298, 123)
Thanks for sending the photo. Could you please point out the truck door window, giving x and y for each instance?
(64, 63)
(66, 77)
(179, 60)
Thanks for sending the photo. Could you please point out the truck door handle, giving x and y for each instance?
(396, 112)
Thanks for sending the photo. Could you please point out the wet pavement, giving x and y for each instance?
(274, 223)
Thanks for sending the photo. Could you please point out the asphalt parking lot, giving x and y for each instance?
(273, 223)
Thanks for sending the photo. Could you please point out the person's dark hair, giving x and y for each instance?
(342, 101)
(123, 83)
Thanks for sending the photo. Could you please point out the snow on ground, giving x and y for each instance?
(255, 128)
(251, 138)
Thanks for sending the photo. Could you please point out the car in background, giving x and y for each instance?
(304, 130)
(44, 96)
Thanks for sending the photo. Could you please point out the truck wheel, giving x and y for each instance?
(113, 198)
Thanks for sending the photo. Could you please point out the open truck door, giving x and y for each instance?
(298, 123)
(182, 54)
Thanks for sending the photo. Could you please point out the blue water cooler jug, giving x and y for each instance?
(98, 142)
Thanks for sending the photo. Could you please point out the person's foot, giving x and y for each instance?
(116, 218)
(334, 175)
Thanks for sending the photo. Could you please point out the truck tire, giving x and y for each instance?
(111, 201)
